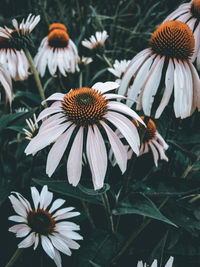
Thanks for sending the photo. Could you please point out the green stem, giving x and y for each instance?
(189, 167)
(108, 210)
(135, 234)
(15, 256)
(80, 80)
(107, 61)
(88, 214)
(36, 76)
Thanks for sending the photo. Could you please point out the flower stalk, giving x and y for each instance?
(15, 256)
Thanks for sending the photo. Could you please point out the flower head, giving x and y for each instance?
(155, 263)
(44, 222)
(85, 60)
(119, 67)
(153, 140)
(33, 128)
(12, 43)
(95, 41)
(172, 46)
(190, 13)
(86, 113)
(57, 50)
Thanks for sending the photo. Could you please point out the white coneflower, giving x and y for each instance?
(12, 42)
(152, 141)
(44, 223)
(172, 46)
(33, 128)
(119, 68)
(190, 13)
(95, 41)
(155, 263)
(57, 51)
(85, 112)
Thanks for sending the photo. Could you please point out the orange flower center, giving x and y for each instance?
(58, 38)
(59, 26)
(150, 130)
(84, 106)
(173, 39)
(195, 9)
(41, 221)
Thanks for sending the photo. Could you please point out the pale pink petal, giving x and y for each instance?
(161, 140)
(66, 215)
(55, 96)
(35, 196)
(72, 235)
(170, 262)
(197, 42)
(48, 111)
(45, 138)
(114, 96)
(57, 258)
(179, 11)
(117, 106)
(169, 84)
(74, 162)
(23, 231)
(45, 197)
(66, 226)
(127, 128)
(47, 246)
(152, 85)
(59, 244)
(36, 241)
(131, 70)
(155, 154)
(178, 88)
(18, 206)
(24, 201)
(62, 211)
(140, 264)
(161, 150)
(97, 156)
(16, 218)
(139, 80)
(17, 227)
(117, 147)
(57, 204)
(28, 241)
(105, 87)
(196, 87)
(57, 151)
(155, 263)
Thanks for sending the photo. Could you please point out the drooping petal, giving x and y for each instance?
(47, 246)
(97, 156)
(169, 84)
(57, 151)
(74, 163)
(117, 147)
(28, 241)
(105, 87)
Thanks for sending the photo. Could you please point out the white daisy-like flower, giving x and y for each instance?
(44, 222)
(86, 114)
(119, 68)
(85, 60)
(152, 141)
(155, 263)
(168, 58)
(33, 128)
(12, 42)
(21, 109)
(6, 83)
(57, 51)
(96, 40)
(190, 13)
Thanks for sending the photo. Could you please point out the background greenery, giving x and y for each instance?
(175, 229)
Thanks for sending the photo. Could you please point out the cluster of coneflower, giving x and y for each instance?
(86, 118)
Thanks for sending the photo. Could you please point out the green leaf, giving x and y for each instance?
(99, 248)
(141, 205)
(64, 188)
(6, 119)
(93, 192)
